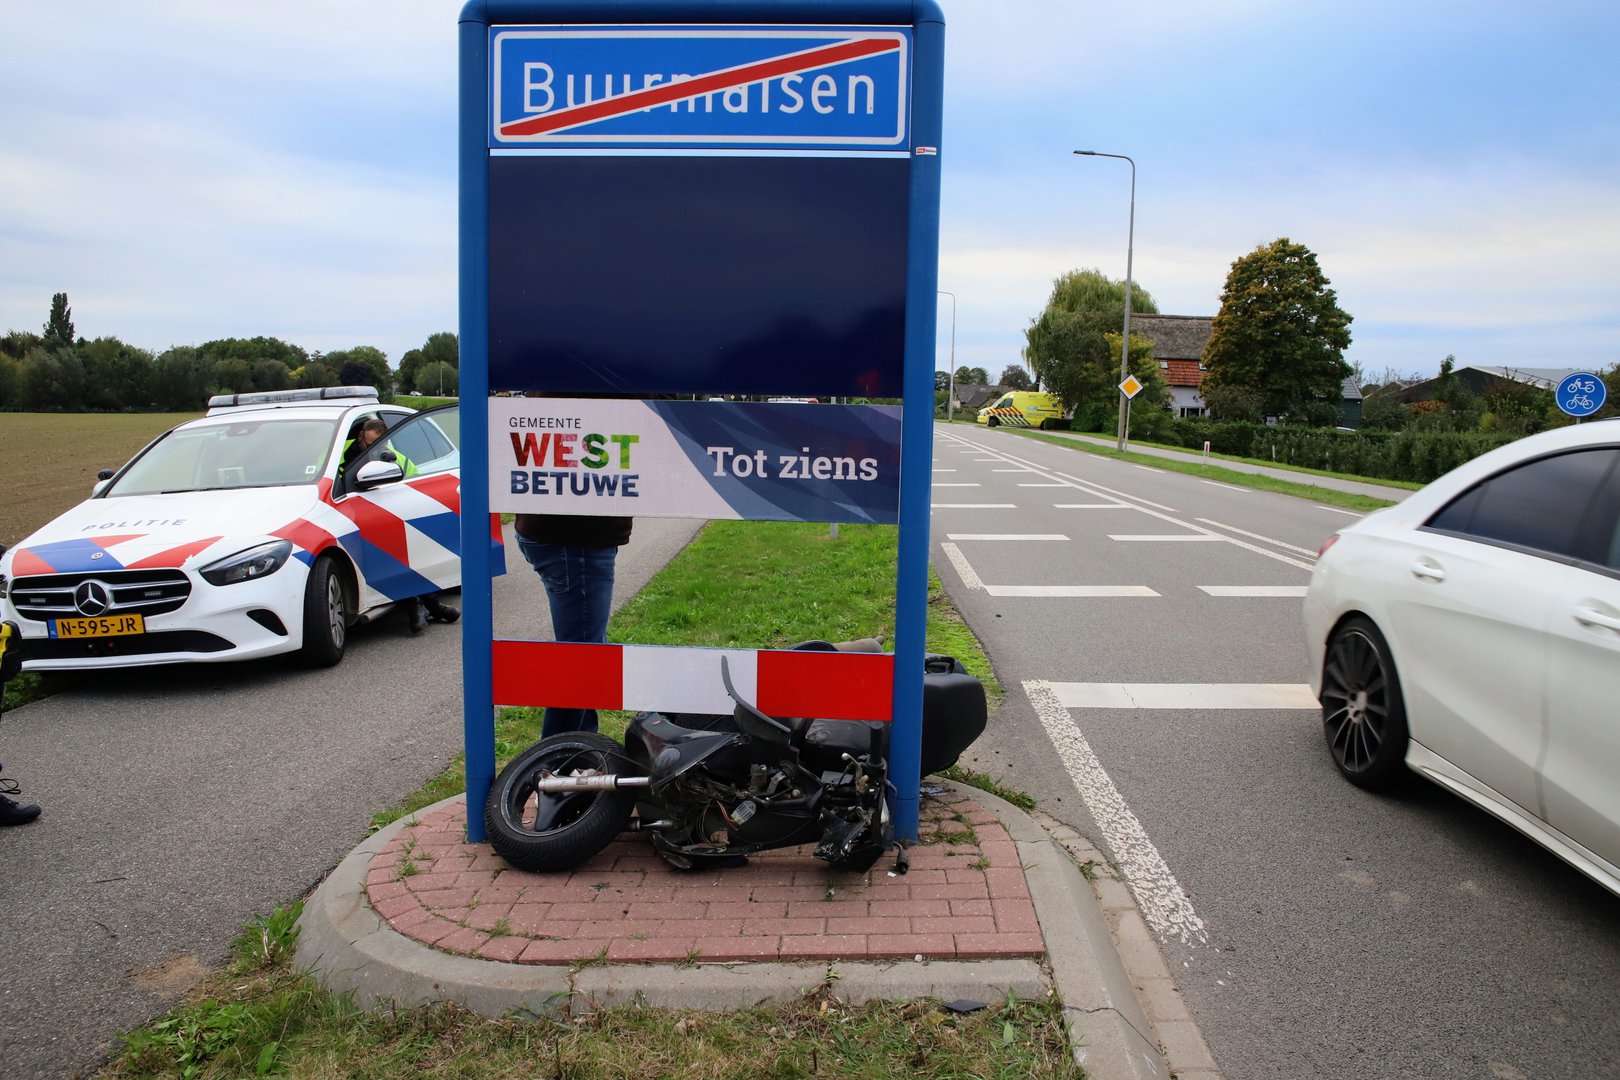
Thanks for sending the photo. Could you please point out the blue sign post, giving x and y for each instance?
(668, 197)
(1581, 394)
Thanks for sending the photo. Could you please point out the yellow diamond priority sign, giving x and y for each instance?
(1130, 387)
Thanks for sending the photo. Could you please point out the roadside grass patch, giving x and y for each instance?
(1195, 467)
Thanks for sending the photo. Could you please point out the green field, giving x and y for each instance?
(50, 460)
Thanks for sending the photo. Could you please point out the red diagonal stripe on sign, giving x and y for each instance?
(624, 104)
(558, 674)
(172, 557)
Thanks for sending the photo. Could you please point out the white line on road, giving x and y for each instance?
(944, 470)
(972, 506)
(1043, 484)
(1069, 590)
(1184, 695)
(1254, 590)
(1228, 487)
(1168, 537)
(1149, 468)
(1094, 506)
(957, 485)
(1257, 536)
(1011, 470)
(1164, 903)
(1092, 486)
(1005, 536)
(1336, 510)
(963, 570)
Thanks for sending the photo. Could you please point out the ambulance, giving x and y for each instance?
(1023, 408)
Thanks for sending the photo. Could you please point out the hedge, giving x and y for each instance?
(1417, 456)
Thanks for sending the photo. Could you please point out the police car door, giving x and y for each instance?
(409, 519)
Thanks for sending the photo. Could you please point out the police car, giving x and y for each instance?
(246, 533)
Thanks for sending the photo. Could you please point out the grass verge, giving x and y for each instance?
(748, 584)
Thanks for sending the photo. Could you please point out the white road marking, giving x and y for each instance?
(972, 506)
(957, 485)
(1184, 695)
(1228, 487)
(1168, 537)
(1257, 536)
(1163, 901)
(963, 570)
(944, 470)
(1094, 506)
(1149, 468)
(1069, 590)
(1011, 470)
(1254, 590)
(1005, 536)
(1337, 510)
(1044, 484)
(1092, 486)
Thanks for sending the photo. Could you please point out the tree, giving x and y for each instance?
(177, 380)
(270, 375)
(52, 381)
(1280, 334)
(117, 376)
(59, 326)
(439, 348)
(974, 376)
(1014, 377)
(942, 382)
(437, 379)
(253, 350)
(1070, 350)
(356, 373)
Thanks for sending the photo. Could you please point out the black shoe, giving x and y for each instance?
(15, 813)
(439, 611)
(418, 615)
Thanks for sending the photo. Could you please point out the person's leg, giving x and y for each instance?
(579, 589)
(11, 811)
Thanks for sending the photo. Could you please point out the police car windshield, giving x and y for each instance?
(264, 452)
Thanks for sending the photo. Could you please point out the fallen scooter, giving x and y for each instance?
(713, 789)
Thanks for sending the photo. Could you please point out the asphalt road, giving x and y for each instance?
(180, 803)
(1316, 930)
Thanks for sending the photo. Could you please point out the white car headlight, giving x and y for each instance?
(255, 562)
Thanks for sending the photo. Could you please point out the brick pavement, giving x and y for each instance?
(965, 898)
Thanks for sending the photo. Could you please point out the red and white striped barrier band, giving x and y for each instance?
(779, 682)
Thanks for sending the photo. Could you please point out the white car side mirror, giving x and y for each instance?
(375, 473)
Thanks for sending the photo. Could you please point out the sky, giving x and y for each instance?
(190, 169)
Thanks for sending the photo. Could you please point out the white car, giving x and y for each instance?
(244, 534)
(1472, 635)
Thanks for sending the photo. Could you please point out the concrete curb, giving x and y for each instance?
(1111, 1034)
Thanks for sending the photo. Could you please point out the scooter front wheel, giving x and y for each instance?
(540, 831)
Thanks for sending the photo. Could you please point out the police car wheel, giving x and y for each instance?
(553, 831)
(326, 614)
(993, 422)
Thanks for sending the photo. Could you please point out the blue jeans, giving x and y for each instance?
(579, 585)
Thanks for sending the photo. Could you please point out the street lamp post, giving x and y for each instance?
(950, 394)
(1125, 345)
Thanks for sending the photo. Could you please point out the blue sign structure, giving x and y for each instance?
(1581, 394)
(699, 197)
(819, 87)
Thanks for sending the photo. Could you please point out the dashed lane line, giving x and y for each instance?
(1250, 696)
(1005, 536)
(1337, 510)
(972, 506)
(1050, 591)
(1254, 590)
(1152, 538)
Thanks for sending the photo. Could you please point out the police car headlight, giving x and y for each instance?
(255, 562)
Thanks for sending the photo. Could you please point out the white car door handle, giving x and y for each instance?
(1592, 617)
(1428, 571)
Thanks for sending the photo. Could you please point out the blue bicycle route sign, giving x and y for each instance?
(743, 87)
(1581, 393)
